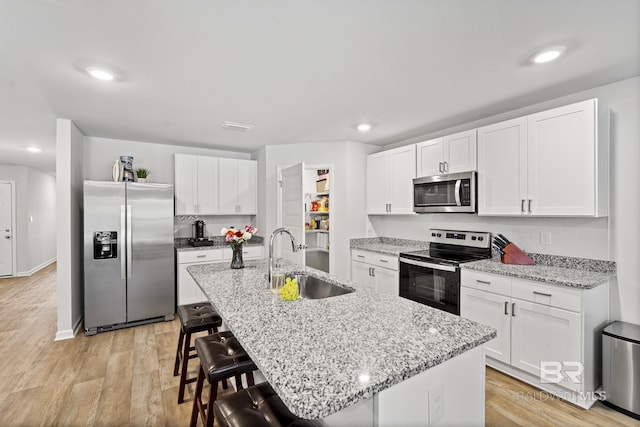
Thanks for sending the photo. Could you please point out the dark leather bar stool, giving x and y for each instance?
(221, 357)
(257, 406)
(194, 318)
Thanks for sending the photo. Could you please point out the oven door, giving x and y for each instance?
(431, 284)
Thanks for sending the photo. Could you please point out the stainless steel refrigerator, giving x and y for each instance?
(128, 254)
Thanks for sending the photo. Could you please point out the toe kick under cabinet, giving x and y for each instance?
(548, 335)
(188, 291)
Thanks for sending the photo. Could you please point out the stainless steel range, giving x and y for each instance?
(432, 276)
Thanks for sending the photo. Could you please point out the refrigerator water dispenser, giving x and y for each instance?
(105, 244)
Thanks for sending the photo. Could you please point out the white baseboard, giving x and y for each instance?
(36, 269)
(68, 334)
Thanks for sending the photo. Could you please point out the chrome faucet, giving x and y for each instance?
(294, 246)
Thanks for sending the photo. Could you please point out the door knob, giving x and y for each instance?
(7, 237)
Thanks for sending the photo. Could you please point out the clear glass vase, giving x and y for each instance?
(236, 256)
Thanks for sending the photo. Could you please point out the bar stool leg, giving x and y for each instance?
(197, 402)
(178, 353)
(212, 398)
(183, 373)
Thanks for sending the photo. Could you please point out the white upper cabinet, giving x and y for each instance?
(390, 177)
(450, 154)
(215, 186)
(238, 181)
(196, 188)
(552, 163)
(502, 157)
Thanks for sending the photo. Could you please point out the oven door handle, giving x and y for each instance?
(428, 265)
(457, 192)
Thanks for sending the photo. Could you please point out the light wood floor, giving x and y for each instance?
(125, 377)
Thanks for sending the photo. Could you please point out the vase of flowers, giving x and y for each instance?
(236, 238)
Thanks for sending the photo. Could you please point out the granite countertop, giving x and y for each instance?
(387, 245)
(183, 245)
(324, 355)
(555, 270)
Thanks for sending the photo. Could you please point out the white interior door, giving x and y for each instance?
(292, 210)
(6, 233)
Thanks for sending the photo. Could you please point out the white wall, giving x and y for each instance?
(616, 238)
(41, 219)
(69, 280)
(348, 186)
(35, 197)
(100, 153)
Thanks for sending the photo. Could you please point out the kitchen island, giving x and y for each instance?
(355, 359)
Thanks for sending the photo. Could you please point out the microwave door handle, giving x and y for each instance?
(457, 192)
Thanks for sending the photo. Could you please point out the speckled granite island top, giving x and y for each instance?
(555, 270)
(387, 245)
(324, 355)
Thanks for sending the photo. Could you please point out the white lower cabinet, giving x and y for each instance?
(378, 271)
(540, 326)
(188, 291)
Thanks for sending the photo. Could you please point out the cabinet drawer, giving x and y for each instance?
(554, 296)
(200, 255)
(486, 282)
(374, 258)
(248, 252)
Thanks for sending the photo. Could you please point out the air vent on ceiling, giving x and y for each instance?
(237, 126)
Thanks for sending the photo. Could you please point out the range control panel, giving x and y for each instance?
(476, 239)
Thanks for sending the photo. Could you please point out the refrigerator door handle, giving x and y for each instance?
(129, 245)
(123, 264)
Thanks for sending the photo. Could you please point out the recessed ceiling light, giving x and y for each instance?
(101, 73)
(548, 54)
(237, 126)
(34, 149)
(364, 127)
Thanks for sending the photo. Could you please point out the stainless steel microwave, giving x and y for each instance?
(455, 192)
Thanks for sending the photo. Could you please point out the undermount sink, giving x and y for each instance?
(312, 287)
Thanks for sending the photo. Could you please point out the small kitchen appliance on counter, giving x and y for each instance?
(432, 277)
(200, 234)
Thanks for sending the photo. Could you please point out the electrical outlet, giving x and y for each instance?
(545, 238)
(436, 403)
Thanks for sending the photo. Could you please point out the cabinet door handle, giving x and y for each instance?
(360, 256)
(542, 293)
(522, 206)
(201, 256)
(513, 309)
(446, 166)
(383, 260)
(529, 205)
(373, 272)
(484, 282)
(506, 308)
(440, 167)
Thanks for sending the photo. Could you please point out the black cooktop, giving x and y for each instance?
(449, 257)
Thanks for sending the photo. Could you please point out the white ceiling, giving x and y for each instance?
(299, 70)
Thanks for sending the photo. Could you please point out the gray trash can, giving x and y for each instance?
(621, 367)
